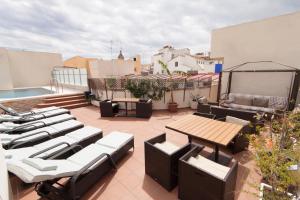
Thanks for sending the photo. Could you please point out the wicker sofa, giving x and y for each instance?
(251, 102)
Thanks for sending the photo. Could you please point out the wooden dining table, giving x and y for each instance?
(126, 101)
(216, 132)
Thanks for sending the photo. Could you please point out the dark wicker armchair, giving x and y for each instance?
(144, 108)
(204, 183)
(241, 141)
(203, 108)
(222, 112)
(162, 166)
(207, 115)
(108, 109)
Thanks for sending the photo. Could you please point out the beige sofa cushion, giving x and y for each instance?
(260, 102)
(252, 108)
(243, 100)
(235, 120)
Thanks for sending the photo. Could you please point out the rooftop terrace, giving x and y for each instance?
(129, 182)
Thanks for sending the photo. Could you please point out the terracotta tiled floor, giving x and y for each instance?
(129, 182)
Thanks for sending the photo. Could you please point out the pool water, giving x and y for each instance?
(18, 93)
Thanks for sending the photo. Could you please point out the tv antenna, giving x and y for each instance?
(111, 49)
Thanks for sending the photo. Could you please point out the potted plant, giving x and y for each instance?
(157, 90)
(138, 88)
(172, 106)
(194, 101)
(277, 156)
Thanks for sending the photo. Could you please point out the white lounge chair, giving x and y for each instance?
(11, 111)
(82, 170)
(81, 137)
(32, 117)
(12, 128)
(39, 135)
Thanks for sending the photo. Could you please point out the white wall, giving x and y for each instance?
(277, 84)
(108, 68)
(181, 64)
(4, 186)
(26, 68)
(5, 78)
(274, 39)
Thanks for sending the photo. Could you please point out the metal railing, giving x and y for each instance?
(55, 84)
(70, 76)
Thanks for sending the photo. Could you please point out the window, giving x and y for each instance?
(134, 59)
(176, 64)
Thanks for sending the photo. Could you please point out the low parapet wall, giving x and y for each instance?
(181, 97)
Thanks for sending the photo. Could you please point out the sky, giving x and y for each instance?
(98, 28)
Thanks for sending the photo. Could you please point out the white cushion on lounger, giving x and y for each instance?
(57, 119)
(7, 126)
(115, 139)
(84, 133)
(6, 138)
(40, 164)
(25, 152)
(40, 110)
(235, 120)
(209, 166)
(54, 141)
(38, 123)
(9, 118)
(53, 129)
(29, 174)
(18, 154)
(41, 115)
(77, 136)
(65, 168)
(48, 121)
(35, 117)
(55, 112)
(89, 153)
(167, 147)
(62, 126)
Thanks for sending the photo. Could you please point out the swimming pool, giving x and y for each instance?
(28, 92)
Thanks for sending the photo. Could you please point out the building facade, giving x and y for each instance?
(182, 60)
(78, 62)
(274, 39)
(100, 68)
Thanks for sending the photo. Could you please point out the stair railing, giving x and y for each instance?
(54, 84)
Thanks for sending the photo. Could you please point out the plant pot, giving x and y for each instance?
(172, 107)
(194, 105)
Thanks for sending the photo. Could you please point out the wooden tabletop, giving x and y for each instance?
(210, 130)
(130, 100)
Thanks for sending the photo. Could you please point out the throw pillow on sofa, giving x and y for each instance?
(243, 100)
(260, 102)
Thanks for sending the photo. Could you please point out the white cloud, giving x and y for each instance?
(78, 27)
